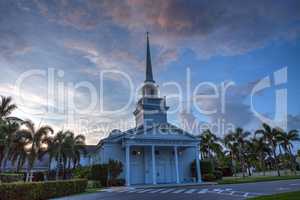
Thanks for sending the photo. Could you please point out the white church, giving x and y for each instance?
(155, 151)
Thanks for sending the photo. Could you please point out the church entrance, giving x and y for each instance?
(137, 166)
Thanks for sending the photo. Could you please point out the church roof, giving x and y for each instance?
(165, 131)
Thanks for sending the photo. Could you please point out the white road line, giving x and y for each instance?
(132, 191)
(218, 190)
(143, 191)
(190, 191)
(166, 191)
(178, 191)
(155, 191)
(203, 191)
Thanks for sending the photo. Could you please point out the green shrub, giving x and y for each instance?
(116, 182)
(208, 177)
(11, 177)
(94, 184)
(207, 166)
(107, 174)
(82, 172)
(41, 190)
(218, 174)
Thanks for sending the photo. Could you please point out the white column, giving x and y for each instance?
(176, 164)
(127, 157)
(197, 157)
(153, 165)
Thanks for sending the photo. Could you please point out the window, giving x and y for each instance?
(156, 152)
(152, 92)
(134, 153)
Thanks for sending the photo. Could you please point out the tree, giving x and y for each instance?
(36, 142)
(19, 152)
(75, 147)
(270, 135)
(238, 141)
(6, 107)
(261, 150)
(286, 140)
(67, 148)
(209, 144)
(232, 147)
(8, 130)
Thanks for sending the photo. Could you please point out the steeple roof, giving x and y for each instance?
(149, 75)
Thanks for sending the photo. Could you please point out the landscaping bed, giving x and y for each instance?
(41, 190)
(237, 180)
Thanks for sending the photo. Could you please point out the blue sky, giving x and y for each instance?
(217, 41)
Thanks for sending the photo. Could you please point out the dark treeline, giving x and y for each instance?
(266, 149)
(23, 143)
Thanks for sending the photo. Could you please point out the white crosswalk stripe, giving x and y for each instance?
(203, 191)
(143, 191)
(178, 191)
(190, 191)
(167, 191)
(155, 191)
(219, 191)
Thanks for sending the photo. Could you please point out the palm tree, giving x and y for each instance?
(209, 144)
(261, 150)
(36, 140)
(6, 128)
(232, 147)
(75, 147)
(19, 152)
(51, 151)
(238, 140)
(66, 148)
(270, 135)
(6, 107)
(9, 129)
(286, 142)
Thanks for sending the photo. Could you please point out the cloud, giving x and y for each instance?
(115, 59)
(294, 122)
(236, 113)
(208, 28)
(11, 44)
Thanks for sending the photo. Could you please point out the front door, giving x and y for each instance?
(137, 174)
(161, 173)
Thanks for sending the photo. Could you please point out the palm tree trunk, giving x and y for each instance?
(4, 162)
(293, 168)
(276, 162)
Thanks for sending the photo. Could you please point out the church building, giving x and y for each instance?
(154, 151)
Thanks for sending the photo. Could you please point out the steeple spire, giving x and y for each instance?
(149, 75)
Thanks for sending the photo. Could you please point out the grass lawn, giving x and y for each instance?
(283, 196)
(237, 180)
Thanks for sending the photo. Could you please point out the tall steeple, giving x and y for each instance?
(150, 109)
(149, 75)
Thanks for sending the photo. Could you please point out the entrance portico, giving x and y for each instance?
(159, 163)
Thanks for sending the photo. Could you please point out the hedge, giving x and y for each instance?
(41, 190)
(11, 177)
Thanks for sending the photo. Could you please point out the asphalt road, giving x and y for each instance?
(214, 192)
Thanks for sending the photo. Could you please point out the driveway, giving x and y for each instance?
(214, 192)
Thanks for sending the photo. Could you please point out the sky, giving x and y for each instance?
(78, 64)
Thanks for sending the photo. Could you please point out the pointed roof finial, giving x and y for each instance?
(149, 75)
